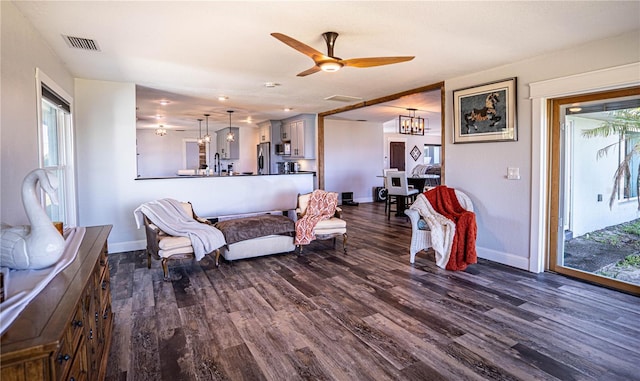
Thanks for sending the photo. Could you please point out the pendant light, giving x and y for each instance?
(412, 124)
(230, 136)
(207, 137)
(161, 131)
(200, 140)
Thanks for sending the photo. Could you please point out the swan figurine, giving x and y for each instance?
(38, 245)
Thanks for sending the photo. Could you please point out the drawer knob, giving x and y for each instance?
(77, 323)
(62, 358)
(104, 285)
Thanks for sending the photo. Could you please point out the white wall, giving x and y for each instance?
(503, 207)
(593, 176)
(353, 157)
(160, 156)
(23, 50)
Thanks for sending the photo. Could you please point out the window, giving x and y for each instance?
(56, 148)
(431, 154)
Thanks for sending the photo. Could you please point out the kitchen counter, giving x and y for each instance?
(214, 196)
(245, 174)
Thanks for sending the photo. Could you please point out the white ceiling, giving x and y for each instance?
(193, 52)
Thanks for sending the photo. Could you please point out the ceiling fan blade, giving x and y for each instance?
(299, 46)
(375, 61)
(314, 69)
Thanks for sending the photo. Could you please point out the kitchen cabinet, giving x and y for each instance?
(228, 150)
(65, 331)
(264, 132)
(302, 138)
(285, 132)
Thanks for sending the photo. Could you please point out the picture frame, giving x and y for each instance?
(485, 113)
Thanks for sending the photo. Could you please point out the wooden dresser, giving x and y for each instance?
(65, 332)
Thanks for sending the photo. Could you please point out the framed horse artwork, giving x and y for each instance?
(485, 113)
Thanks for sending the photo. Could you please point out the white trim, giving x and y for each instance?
(501, 257)
(540, 92)
(121, 247)
(599, 80)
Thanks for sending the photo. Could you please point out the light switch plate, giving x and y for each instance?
(513, 173)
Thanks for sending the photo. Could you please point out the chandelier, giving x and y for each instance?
(207, 137)
(200, 139)
(412, 124)
(161, 131)
(230, 136)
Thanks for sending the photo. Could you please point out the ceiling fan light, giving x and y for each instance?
(330, 66)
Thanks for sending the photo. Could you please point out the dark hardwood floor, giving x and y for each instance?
(367, 315)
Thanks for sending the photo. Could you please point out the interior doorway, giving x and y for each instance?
(595, 229)
(397, 155)
(437, 88)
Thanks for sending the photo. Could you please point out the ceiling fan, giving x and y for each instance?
(330, 62)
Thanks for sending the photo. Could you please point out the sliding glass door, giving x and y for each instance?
(595, 217)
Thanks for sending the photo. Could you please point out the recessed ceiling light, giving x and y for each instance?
(287, 109)
(164, 102)
(271, 84)
(159, 116)
(223, 98)
(575, 107)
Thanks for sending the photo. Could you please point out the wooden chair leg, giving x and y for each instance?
(165, 269)
(217, 257)
(344, 242)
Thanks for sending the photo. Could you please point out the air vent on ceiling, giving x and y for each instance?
(81, 43)
(342, 98)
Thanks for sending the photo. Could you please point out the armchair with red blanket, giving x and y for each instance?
(442, 218)
(319, 217)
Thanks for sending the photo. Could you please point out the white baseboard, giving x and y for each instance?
(503, 258)
(120, 247)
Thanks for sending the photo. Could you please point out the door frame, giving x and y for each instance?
(322, 115)
(539, 93)
(556, 179)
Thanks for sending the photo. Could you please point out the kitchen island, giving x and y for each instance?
(215, 196)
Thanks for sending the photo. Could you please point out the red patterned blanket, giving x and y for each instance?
(463, 250)
(322, 206)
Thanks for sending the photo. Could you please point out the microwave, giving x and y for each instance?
(283, 149)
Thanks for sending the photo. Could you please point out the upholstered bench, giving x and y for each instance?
(256, 235)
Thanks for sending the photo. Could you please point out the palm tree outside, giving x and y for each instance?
(626, 124)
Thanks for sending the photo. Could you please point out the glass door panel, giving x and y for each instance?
(595, 233)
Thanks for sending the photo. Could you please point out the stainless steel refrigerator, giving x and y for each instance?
(264, 158)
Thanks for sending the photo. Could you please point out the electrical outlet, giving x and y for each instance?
(513, 173)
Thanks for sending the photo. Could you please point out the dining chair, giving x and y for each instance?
(385, 171)
(398, 192)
